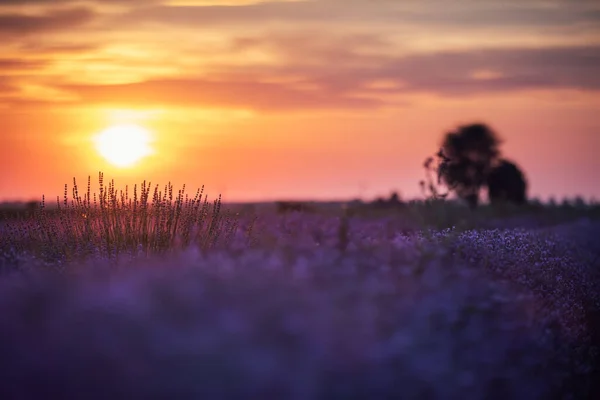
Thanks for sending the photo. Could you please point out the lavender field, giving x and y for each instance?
(310, 306)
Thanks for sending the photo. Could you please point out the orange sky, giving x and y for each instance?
(296, 99)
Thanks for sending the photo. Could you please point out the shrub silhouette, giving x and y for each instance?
(467, 157)
(393, 202)
(395, 198)
(31, 207)
(284, 207)
(506, 183)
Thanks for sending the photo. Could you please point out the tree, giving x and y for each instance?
(467, 156)
(506, 183)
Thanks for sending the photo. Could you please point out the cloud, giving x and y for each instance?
(205, 55)
(437, 14)
(9, 3)
(11, 64)
(303, 45)
(53, 49)
(328, 85)
(23, 24)
(351, 64)
(202, 92)
(7, 87)
(463, 15)
(452, 73)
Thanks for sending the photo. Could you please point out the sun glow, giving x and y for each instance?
(124, 145)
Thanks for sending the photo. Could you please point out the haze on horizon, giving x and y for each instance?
(322, 99)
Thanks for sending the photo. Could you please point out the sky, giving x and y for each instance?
(305, 99)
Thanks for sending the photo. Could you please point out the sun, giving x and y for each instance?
(124, 145)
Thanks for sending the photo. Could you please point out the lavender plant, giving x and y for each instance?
(120, 223)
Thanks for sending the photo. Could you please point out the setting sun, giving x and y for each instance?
(124, 145)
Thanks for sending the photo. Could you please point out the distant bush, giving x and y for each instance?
(284, 207)
(393, 202)
(506, 183)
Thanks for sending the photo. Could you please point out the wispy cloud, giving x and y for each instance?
(356, 83)
(201, 92)
(464, 14)
(53, 20)
(11, 64)
(289, 55)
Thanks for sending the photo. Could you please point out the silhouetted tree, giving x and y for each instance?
(506, 183)
(466, 158)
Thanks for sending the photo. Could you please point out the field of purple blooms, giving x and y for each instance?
(313, 307)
